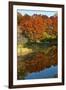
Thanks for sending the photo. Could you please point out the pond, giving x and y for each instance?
(45, 73)
(40, 63)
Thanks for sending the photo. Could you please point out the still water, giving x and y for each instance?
(45, 73)
(40, 63)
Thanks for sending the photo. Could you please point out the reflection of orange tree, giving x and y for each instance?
(41, 61)
(34, 26)
(38, 61)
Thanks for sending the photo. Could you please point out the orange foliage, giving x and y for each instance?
(55, 23)
(34, 26)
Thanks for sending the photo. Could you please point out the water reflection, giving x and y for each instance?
(41, 63)
(45, 73)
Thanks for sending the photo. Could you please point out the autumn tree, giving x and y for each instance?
(33, 27)
(19, 16)
(54, 24)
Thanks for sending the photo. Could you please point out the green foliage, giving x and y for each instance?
(48, 36)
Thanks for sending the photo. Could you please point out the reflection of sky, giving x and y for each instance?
(46, 73)
(31, 12)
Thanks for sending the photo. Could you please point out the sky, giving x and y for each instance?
(31, 12)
